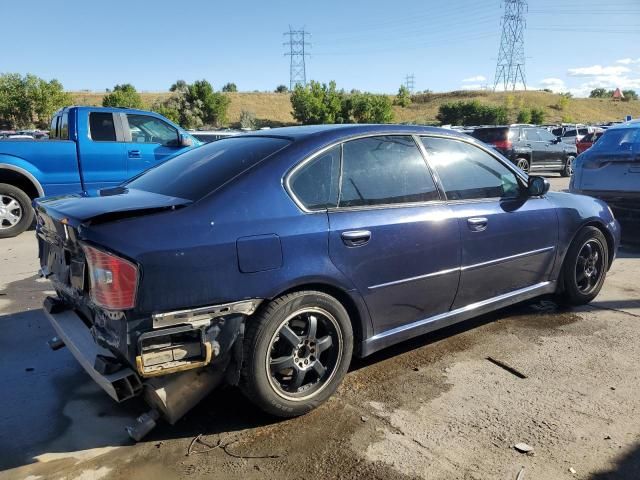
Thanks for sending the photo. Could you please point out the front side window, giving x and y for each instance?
(545, 135)
(531, 135)
(316, 183)
(468, 172)
(384, 170)
(146, 129)
(101, 127)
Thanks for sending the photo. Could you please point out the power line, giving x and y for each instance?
(297, 44)
(510, 66)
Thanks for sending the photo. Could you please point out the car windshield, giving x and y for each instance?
(618, 139)
(491, 135)
(200, 171)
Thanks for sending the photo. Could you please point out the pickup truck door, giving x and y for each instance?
(149, 142)
(101, 151)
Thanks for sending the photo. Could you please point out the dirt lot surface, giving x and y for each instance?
(434, 407)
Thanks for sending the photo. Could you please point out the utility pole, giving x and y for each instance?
(297, 44)
(409, 82)
(510, 66)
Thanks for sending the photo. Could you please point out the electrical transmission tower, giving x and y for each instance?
(510, 67)
(409, 82)
(297, 44)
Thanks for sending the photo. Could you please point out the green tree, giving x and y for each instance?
(124, 95)
(471, 113)
(281, 89)
(230, 87)
(537, 116)
(563, 102)
(524, 116)
(629, 95)
(598, 93)
(29, 101)
(247, 120)
(369, 108)
(317, 103)
(403, 98)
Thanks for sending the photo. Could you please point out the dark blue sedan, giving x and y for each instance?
(267, 260)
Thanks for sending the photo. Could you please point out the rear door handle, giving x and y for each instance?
(356, 238)
(134, 154)
(477, 224)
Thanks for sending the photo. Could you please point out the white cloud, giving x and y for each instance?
(477, 78)
(473, 86)
(628, 61)
(553, 84)
(597, 70)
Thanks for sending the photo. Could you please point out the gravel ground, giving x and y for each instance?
(434, 407)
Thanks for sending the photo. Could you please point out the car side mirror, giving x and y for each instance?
(184, 140)
(557, 140)
(537, 186)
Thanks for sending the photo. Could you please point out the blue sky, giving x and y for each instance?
(572, 45)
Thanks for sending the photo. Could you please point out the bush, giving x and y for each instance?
(230, 87)
(247, 120)
(194, 105)
(524, 116)
(563, 103)
(317, 103)
(629, 95)
(281, 89)
(537, 116)
(403, 98)
(124, 95)
(471, 113)
(29, 101)
(369, 108)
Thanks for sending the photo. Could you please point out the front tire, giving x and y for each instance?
(16, 214)
(567, 171)
(523, 164)
(296, 353)
(585, 267)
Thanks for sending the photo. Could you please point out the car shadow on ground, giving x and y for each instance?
(627, 467)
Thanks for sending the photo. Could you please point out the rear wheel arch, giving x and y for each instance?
(358, 317)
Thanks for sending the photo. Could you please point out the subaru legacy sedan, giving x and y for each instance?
(267, 260)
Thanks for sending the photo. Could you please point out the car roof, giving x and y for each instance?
(342, 131)
(630, 124)
(106, 109)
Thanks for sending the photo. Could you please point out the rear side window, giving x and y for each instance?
(468, 172)
(200, 171)
(101, 127)
(63, 129)
(53, 129)
(316, 183)
(491, 135)
(384, 170)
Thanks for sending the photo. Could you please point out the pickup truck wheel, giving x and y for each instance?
(296, 352)
(585, 267)
(16, 214)
(523, 164)
(567, 171)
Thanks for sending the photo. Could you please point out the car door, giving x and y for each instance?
(509, 240)
(539, 154)
(392, 234)
(150, 141)
(555, 149)
(102, 152)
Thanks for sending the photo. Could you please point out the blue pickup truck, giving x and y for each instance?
(89, 148)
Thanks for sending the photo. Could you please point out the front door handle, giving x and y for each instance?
(477, 224)
(134, 154)
(356, 238)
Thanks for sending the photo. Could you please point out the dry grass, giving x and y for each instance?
(275, 108)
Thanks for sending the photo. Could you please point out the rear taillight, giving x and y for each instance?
(503, 144)
(114, 280)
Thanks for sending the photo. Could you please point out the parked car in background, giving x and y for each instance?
(610, 170)
(529, 147)
(208, 136)
(572, 134)
(588, 140)
(90, 148)
(346, 227)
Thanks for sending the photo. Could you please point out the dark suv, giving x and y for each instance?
(530, 147)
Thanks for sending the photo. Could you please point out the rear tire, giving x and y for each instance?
(567, 171)
(523, 164)
(585, 267)
(296, 352)
(16, 213)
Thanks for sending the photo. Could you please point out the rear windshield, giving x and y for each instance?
(194, 174)
(491, 135)
(617, 139)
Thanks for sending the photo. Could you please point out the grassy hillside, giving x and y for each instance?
(275, 108)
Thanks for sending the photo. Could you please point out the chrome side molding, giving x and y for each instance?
(203, 315)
